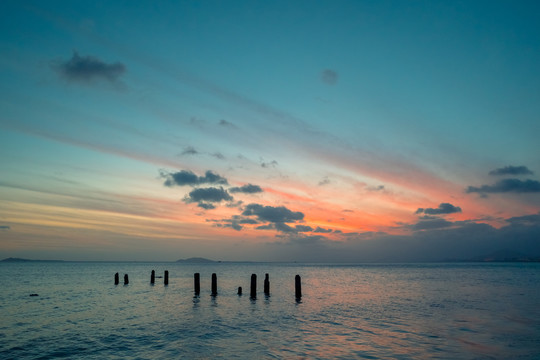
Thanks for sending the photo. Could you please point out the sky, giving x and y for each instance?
(327, 131)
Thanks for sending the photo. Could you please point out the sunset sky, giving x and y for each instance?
(269, 130)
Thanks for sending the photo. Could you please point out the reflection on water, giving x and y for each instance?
(377, 311)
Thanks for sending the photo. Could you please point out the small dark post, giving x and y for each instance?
(298, 287)
(116, 279)
(166, 277)
(253, 289)
(214, 284)
(266, 285)
(197, 280)
(153, 277)
(126, 279)
(239, 290)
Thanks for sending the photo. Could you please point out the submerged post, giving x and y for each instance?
(197, 283)
(266, 285)
(126, 279)
(253, 289)
(239, 290)
(214, 284)
(166, 277)
(116, 279)
(298, 287)
(153, 277)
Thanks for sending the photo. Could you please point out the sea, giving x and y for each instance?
(73, 310)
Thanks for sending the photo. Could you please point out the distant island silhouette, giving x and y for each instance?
(196, 260)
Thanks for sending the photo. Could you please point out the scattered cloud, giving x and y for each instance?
(511, 170)
(89, 68)
(303, 228)
(272, 163)
(210, 194)
(443, 209)
(324, 181)
(321, 230)
(189, 150)
(226, 123)
(507, 185)
(189, 178)
(329, 76)
(218, 155)
(430, 224)
(246, 189)
(206, 206)
(272, 214)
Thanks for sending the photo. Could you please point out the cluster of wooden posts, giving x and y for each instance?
(197, 284)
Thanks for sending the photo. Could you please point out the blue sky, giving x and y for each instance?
(355, 114)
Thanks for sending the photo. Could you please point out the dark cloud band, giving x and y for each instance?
(511, 170)
(507, 185)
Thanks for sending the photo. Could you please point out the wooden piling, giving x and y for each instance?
(298, 287)
(166, 278)
(153, 277)
(253, 288)
(116, 279)
(214, 284)
(266, 285)
(197, 283)
(126, 279)
(239, 290)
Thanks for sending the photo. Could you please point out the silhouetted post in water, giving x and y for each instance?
(298, 287)
(239, 290)
(166, 278)
(266, 285)
(197, 280)
(126, 279)
(153, 277)
(116, 279)
(253, 289)
(214, 284)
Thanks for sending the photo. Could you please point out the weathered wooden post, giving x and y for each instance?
(298, 287)
(266, 285)
(253, 288)
(126, 279)
(166, 277)
(214, 284)
(197, 280)
(116, 279)
(239, 290)
(153, 277)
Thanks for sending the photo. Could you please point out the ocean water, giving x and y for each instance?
(411, 311)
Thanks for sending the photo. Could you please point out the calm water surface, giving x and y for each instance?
(420, 311)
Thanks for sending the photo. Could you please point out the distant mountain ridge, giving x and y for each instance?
(196, 260)
(12, 259)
